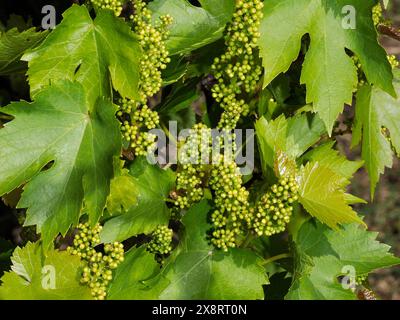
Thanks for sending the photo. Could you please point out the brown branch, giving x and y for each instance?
(389, 31)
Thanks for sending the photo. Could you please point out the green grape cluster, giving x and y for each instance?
(154, 60)
(152, 41)
(237, 71)
(360, 73)
(360, 280)
(161, 242)
(192, 171)
(274, 210)
(135, 130)
(231, 202)
(393, 61)
(189, 182)
(361, 76)
(97, 272)
(377, 14)
(114, 5)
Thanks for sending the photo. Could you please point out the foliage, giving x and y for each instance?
(77, 154)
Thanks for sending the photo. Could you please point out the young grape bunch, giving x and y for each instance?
(361, 76)
(386, 134)
(377, 14)
(194, 156)
(238, 71)
(231, 204)
(114, 5)
(98, 266)
(393, 61)
(136, 116)
(142, 118)
(161, 242)
(274, 210)
(152, 41)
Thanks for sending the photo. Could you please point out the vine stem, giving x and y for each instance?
(247, 240)
(169, 135)
(277, 257)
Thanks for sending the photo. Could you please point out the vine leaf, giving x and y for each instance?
(123, 193)
(291, 137)
(75, 143)
(322, 194)
(201, 272)
(322, 255)
(137, 277)
(90, 52)
(193, 27)
(326, 60)
(153, 185)
(31, 272)
(13, 44)
(376, 109)
(330, 158)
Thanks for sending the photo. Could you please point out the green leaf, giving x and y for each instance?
(291, 136)
(137, 278)
(81, 139)
(332, 159)
(123, 193)
(326, 60)
(181, 97)
(193, 27)
(376, 109)
(322, 194)
(201, 272)
(13, 44)
(91, 52)
(322, 255)
(153, 185)
(35, 277)
(175, 71)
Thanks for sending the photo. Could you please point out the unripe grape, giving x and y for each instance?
(113, 5)
(237, 70)
(274, 210)
(161, 242)
(97, 266)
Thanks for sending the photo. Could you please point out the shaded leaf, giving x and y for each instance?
(201, 272)
(137, 278)
(193, 27)
(13, 44)
(153, 185)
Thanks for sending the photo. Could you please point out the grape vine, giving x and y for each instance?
(254, 201)
(161, 242)
(98, 266)
(275, 208)
(114, 5)
(155, 58)
(237, 70)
